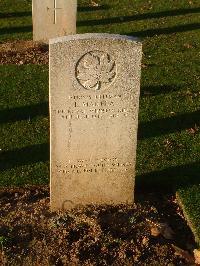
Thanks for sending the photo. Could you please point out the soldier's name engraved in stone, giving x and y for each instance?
(95, 107)
(95, 70)
(98, 165)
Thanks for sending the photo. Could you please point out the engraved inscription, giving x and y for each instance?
(104, 106)
(98, 165)
(94, 113)
(96, 70)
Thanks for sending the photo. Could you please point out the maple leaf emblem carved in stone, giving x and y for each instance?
(95, 70)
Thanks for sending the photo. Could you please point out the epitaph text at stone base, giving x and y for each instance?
(94, 101)
(53, 18)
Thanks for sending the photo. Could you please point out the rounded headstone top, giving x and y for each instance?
(87, 36)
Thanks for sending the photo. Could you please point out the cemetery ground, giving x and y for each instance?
(168, 150)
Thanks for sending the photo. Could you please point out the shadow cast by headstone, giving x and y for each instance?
(163, 203)
(92, 8)
(115, 220)
(12, 30)
(160, 31)
(137, 17)
(123, 221)
(168, 125)
(24, 156)
(153, 90)
(24, 113)
(170, 179)
(16, 14)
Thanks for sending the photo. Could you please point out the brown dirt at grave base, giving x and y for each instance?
(30, 234)
(23, 52)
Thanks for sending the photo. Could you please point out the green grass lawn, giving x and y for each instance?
(189, 198)
(168, 154)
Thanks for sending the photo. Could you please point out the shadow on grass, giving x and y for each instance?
(170, 179)
(25, 156)
(121, 19)
(158, 89)
(12, 30)
(23, 113)
(92, 8)
(16, 14)
(168, 125)
(160, 31)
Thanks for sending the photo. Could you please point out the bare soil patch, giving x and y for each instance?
(23, 52)
(151, 232)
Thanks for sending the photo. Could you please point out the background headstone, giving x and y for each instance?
(94, 101)
(53, 18)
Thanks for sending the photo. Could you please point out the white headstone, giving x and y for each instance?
(94, 101)
(53, 18)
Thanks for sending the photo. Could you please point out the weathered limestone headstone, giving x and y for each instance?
(94, 99)
(53, 18)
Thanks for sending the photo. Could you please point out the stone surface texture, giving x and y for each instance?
(94, 101)
(53, 18)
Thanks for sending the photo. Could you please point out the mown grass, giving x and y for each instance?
(189, 198)
(15, 19)
(169, 119)
(24, 125)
